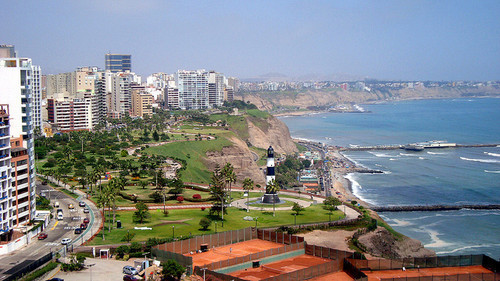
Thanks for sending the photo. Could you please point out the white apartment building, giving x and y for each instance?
(71, 114)
(36, 74)
(193, 88)
(16, 91)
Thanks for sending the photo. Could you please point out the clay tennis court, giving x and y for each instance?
(231, 251)
(278, 268)
(337, 276)
(422, 272)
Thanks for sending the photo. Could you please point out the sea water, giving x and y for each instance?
(432, 176)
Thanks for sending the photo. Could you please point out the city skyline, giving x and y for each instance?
(448, 40)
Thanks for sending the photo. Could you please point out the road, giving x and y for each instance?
(56, 230)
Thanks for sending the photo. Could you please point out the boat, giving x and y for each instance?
(413, 147)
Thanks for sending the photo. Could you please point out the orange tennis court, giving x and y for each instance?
(423, 272)
(231, 251)
(278, 268)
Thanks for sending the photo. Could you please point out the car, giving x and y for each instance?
(81, 204)
(44, 182)
(130, 278)
(66, 241)
(130, 270)
(56, 279)
(56, 204)
(83, 226)
(59, 211)
(86, 210)
(70, 206)
(42, 236)
(78, 230)
(60, 216)
(86, 220)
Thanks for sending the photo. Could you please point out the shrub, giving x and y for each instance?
(124, 153)
(205, 223)
(180, 199)
(196, 196)
(121, 251)
(203, 208)
(135, 247)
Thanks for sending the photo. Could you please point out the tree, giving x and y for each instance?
(172, 270)
(229, 176)
(142, 212)
(156, 137)
(205, 223)
(143, 184)
(297, 208)
(248, 185)
(273, 188)
(217, 183)
(330, 204)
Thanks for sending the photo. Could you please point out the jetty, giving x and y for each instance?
(432, 208)
(401, 146)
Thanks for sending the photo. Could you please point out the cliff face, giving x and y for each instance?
(240, 157)
(262, 133)
(265, 101)
(273, 132)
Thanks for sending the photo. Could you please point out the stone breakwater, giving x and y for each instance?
(423, 208)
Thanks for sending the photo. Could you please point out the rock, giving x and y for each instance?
(382, 243)
(274, 132)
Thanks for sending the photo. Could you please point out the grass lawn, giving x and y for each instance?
(286, 204)
(187, 221)
(193, 152)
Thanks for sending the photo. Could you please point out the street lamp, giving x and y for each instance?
(215, 227)
(173, 231)
(90, 266)
(294, 219)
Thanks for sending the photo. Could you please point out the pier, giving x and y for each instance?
(433, 208)
(400, 146)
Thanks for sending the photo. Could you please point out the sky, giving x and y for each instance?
(395, 40)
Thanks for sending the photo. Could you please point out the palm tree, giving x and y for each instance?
(229, 176)
(248, 185)
(101, 203)
(273, 187)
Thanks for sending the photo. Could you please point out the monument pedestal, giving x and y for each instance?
(269, 198)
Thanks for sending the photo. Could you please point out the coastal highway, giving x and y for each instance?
(56, 231)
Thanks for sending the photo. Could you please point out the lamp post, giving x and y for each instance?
(173, 231)
(215, 227)
(294, 219)
(90, 266)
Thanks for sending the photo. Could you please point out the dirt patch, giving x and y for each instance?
(337, 239)
(172, 222)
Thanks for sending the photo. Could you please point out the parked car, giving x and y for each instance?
(42, 236)
(129, 270)
(86, 210)
(81, 204)
(83, 226)
(56, 279)
(130, 278)
(60, 216)
(86, 220)
(56, 204)
(70, 206)
(78, 230)
(59, 211)
(66, 241)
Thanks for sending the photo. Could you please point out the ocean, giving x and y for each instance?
(437, 176)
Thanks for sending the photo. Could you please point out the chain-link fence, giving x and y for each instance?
(278, 237)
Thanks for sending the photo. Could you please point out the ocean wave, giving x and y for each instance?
(356, 188)
(467, 247)
(421, 158)
(494, 172)
(407, 154)
(436, 241)
(436, 153)
(492, 154)
(392, 159)
(481, 160)
(382, 154)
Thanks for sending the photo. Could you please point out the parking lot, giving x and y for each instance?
(101, 270)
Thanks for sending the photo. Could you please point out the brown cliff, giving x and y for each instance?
(272, 132)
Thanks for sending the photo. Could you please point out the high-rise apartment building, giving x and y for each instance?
(71, 115)
(118, 62)
(119, 100)
(141, 104)
(16, 92)
(36, 74)
(193, 88)
(215, 89)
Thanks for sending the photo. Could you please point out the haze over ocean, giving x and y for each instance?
(447, 176)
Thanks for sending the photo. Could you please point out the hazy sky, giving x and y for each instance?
(410, 40)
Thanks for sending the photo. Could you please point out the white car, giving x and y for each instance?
(66, 241)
